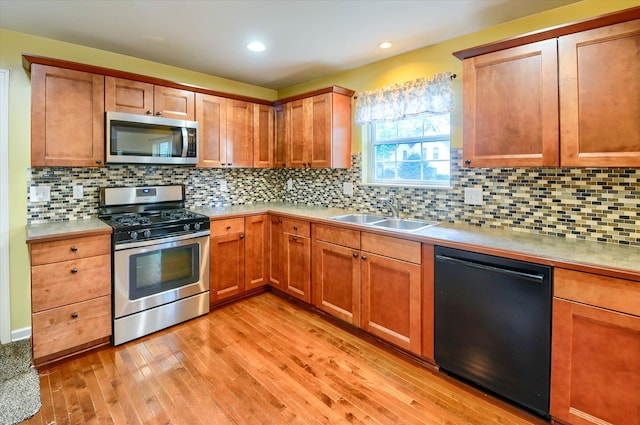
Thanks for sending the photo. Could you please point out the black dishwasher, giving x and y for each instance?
(493, 324)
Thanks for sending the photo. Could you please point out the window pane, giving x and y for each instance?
(411, 127)
(386, 130)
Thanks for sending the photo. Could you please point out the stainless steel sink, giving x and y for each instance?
(406, 225)
(400, 224)
(358, 218)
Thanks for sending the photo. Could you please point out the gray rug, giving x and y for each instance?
(19, 383)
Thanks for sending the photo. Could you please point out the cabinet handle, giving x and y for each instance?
(74, 315)
(149, 113)
(229, 164)
(98, 161)
(284, 165)
(74, 248)
(241, 236)
(295, 238)
(295, 227)
(355, 255)
(467, 161)
(279, 220)
(74, 270)
(159, 113)
(364, 257)
(228, 227)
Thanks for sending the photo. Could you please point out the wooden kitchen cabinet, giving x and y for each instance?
(335, 283)
(263, 136)
(296, 258)
(256, 251)
(317, 128)
(276, 252)
(70, 296)
(280, 137)
(226, 131)
(558, 100)
(599, 109)
(391, 290)
(67, 117)
(595, 355)
(137, 97)
(227, 251)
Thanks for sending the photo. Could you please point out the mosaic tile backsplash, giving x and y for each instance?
(592, 204)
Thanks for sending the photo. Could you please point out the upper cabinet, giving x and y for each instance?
(137, 97)
(568, 97)
(315, 129)
(67, 117)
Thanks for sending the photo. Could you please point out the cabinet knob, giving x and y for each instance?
(74, 315)
(279, 220)
(467, 161)
(295, 227)
(284, 165)
(228, 227)
(149, 113)
(74, 270)
(98, 161)
(159, 113)
(295, 238)
(229, 164)
(241, 236)
(364, 257)
(74, 248)
(355, 255)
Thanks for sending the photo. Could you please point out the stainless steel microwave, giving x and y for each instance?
(142, 139)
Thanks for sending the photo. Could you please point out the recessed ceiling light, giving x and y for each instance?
(385, 44)
(256, 46)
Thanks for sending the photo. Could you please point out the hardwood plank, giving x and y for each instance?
(259, 361)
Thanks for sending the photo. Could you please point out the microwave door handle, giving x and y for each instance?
(185, 142)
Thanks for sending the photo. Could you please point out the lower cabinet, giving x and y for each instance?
(276, 252)
(227, 259)
(256, 251)
(371, 281)
(70, 296)
(297, 258)
(595, 356)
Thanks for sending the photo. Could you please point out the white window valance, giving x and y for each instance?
(422, 96)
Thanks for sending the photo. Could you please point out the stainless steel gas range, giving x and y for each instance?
(160, 259)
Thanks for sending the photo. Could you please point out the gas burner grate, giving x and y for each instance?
(132, 219)
(177, 214)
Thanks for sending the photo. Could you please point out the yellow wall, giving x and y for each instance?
(424, 62)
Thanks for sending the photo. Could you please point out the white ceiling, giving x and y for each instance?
(306, 39)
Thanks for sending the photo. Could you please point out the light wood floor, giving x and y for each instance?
(259, 361)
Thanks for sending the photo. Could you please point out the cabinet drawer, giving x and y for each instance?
(600, 291)
(69, 249)
(227, 227)
(391, 247)
(67, 282)
(337, 235)
(70, 326)
(296, 227)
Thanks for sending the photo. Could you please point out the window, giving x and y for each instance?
(413, 151)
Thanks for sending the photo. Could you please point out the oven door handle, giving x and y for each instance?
(158, 241)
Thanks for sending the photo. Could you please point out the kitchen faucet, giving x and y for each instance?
(392, 203)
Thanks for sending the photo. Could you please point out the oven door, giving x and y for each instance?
(151, 273)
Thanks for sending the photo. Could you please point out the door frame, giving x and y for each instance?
(5, 290)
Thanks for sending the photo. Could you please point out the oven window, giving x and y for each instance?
(164, 269)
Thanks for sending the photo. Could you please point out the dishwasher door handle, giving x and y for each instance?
(521, 275)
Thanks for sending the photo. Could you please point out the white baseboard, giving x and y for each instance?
(19, 334)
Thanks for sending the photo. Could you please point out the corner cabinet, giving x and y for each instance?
(70, 296)
(564, 97)
(315, 129)
(595, 355)
(67, 117)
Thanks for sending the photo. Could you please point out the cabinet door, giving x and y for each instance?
(67, 118)
(263, 142)
(211, 114)
(276, 252)
(595, 365)
(428, 288)
(336, 281)
(511, 107)
(391, 292)
(297, 267)
(600, 97)
(320, 141)
(300, 132)
(227, 266)
(121, 95)
(281, 136)
(174, 103)
(239, 133)
(256, 261)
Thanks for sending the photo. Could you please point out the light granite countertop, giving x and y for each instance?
(611, 259)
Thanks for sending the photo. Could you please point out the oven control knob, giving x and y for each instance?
(186, 227)
(133, 235)
(147, 233)
(196, 226)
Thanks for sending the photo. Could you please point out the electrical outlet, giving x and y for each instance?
(223, 185)
(290, 184)
(347, 188)
(473, 196)
(78, 192)
(40, 193)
